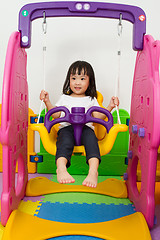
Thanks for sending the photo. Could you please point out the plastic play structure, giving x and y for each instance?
(143, 128)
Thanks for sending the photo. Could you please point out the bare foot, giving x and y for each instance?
(64, 177)
(91, 179)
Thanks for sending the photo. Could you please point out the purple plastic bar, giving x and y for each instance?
(32, 11)
(78, 118)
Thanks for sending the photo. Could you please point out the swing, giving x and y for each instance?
(106, 137)
(105, 145)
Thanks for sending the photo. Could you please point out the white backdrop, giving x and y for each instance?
(71, 39)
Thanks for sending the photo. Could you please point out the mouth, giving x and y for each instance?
(77, 88)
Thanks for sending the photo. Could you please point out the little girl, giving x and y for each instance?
(79, 90)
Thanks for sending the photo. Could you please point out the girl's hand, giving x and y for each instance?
(113, 103)
(44, 96)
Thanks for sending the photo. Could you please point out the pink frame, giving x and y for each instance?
(14, 126)
(144, 128)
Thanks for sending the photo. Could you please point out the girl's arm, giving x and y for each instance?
(112, 104)
(44, 96)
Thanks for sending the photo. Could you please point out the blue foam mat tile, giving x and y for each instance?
(77, 237)
(83, 213)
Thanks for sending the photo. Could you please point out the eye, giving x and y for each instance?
(82, 78)
(73, 78)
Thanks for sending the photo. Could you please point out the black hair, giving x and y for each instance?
(80, 66)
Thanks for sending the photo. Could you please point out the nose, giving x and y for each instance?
(77, 81)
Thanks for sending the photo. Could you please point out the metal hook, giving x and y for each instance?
(120, 19)
(44, 17)
(44, 24)
(120, 25)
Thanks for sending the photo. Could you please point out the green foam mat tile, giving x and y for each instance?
(84, 197)
(81, 198)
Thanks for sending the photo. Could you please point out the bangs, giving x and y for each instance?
(79, 68)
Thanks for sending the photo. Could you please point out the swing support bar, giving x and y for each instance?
(32, 11)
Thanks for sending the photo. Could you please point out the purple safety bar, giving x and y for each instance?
(78, 118)
(32, 11)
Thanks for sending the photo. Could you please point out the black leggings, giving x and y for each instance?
(65, 143)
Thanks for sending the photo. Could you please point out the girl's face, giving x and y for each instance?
(79, 84)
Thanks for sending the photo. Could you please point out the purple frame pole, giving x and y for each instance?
(32, 11)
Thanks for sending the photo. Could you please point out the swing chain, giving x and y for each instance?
(119, 60)
(120, 27)
(44, 24)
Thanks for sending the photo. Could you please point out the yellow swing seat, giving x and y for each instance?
(105, 145)
(106, 140)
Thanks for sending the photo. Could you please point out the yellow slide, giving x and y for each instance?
(24, 226)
